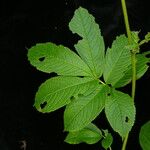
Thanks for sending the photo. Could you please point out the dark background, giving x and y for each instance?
(24, 23)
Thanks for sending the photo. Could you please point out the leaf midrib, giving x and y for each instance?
(66, 62)
(84, 107)
(88, 44)
(120, 112)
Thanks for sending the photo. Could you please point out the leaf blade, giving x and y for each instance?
(120, 112)
(144, 136)
(117, 60)
(77, 114)
(107, 141)
(141, 67)
(91, 47)
(49, 57)
(90, 135)
(56, 92)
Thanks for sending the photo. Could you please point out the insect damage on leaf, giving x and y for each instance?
(120, 112)
(91, 48)
(57, 92)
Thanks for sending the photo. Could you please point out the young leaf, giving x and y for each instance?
(141, 67)
(134, 44)
(49, 57)
(91, 47)
(80, 112)
(120, 111)
(90, 135)
(144, 136)
(107, 141)
(146, 40)
(118, 59)
(58, 91)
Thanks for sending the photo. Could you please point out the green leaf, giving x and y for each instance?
(49, 57)
(135, 37)
(147, 36)
(141, 68)
(91, 47)
(90, 135)
(120, 111)
(107, 141)
(58, 91)
(80, 112)
(118, 59)
(144, 136)
(105, 132)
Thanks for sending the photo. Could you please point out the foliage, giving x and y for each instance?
(144, 136)
(88, 82)
(107, 140)
(89, 134)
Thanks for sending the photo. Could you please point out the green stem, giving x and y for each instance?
(126, 20)
(125, 142)
(110, 148)
(102, 82)
(133, 60)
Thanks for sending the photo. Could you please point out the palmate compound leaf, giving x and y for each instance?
(120, 111)
(49, 57)
(58, 91)
(91, 47)
(141, 68)
(117, 60)
(91, 134)
(80, 112)
(144, 136)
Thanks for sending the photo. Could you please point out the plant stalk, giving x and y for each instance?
(133, 60)
(126, 20)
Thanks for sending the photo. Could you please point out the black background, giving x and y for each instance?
(24, 23)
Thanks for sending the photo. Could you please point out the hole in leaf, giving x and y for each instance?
(108, 94)
(41, 59)
(43, 105)
(127, 119)
(81, 76)
(72, 98)
(109, 85)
